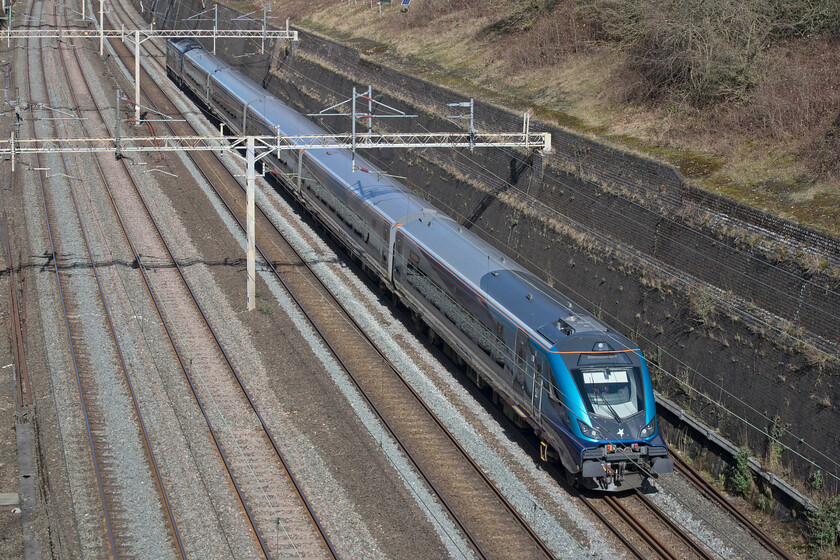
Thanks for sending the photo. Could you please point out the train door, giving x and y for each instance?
(520, 368)
(384, 248)
(398, 271)
(540, 383)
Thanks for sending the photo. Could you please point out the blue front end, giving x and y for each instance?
(601, 406)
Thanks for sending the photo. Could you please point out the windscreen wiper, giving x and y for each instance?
(609, 406)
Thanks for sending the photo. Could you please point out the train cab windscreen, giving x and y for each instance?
(610, 386)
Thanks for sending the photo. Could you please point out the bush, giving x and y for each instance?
(740, 479)
(805, 17)
(538, 32)
(704, 51)
(824, 525)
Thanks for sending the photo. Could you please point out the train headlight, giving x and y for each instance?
(649, 429)
(588, 430)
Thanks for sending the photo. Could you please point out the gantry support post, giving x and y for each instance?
(117, 153)
(101, 27)
(215, 25)
(300, 172)
(137, 76)
(353, 131)
(370, 108)
(251, 267)
(265, 30)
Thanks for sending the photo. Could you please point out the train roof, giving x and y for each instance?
(277, 114)
(509, 287)
(542, 309)
(245, 91)
(368, 182)
(205, 60)
(184, 44)
(371, 185)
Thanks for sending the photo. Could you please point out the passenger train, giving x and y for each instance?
(583, 388)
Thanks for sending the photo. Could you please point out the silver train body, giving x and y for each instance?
(583, 388)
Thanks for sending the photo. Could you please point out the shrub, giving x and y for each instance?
(740, 479)
(704, 51)
(804, 17)
(817, 480)
(823, 527)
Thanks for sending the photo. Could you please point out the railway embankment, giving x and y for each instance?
(736, 309)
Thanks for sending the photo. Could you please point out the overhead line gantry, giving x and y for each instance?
(255, 147)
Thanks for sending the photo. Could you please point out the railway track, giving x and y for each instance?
(23, 386)
(489, 522)
(267, 482)
(697, 480)
(96, 397)
(669, 541)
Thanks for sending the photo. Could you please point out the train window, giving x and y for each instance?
(611, 392)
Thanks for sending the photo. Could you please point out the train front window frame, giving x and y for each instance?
(618, 387)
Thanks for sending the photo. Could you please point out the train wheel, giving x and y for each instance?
(571, 479)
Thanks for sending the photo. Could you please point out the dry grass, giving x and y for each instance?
(776, 148)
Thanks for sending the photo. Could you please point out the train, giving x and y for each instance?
(583, 388)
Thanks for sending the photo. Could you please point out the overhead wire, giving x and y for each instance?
(675, 377)
(596, 200)
(720, 405)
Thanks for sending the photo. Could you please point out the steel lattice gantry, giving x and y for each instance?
(258, 147)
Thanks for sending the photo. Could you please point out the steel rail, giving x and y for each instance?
(613, 529)
(112, 329)
(646, 535)
(137, 258)
(696, 480)
(696, 547)
(293, 479)
(358, 384)
(341, 362)
(23, 385)
(337, 302)
(146, 441)
(188, 376)
(369, 400)
(457, 520)
(72, 347)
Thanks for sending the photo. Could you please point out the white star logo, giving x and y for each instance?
(621, 432)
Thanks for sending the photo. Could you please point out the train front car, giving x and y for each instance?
(586, 388)
(605, 392)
